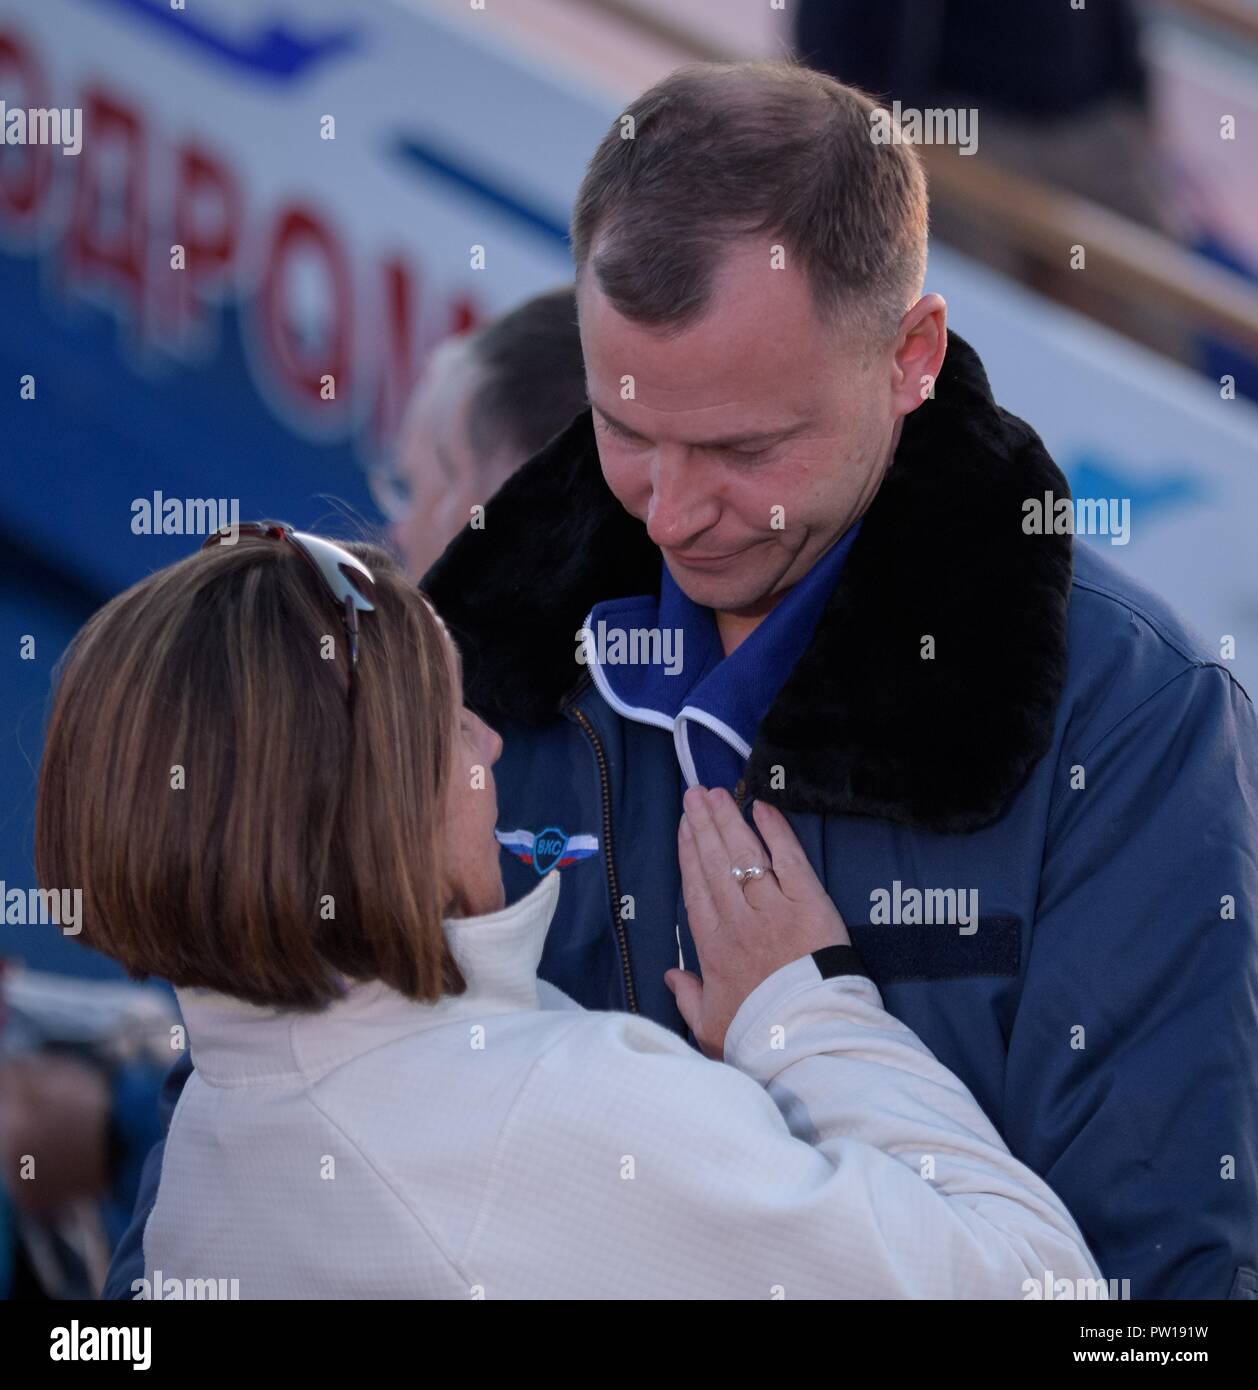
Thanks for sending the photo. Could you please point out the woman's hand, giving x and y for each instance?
(743, 934)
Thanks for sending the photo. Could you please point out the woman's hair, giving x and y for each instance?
(231, 824)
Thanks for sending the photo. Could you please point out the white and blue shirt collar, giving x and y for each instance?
(658, 660)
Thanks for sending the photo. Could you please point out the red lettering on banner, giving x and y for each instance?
(25, 171)
(106, 241)
(207, 223)
(465, 315)
(301, 368)
(129, 198)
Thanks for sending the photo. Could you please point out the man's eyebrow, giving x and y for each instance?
(729, 442)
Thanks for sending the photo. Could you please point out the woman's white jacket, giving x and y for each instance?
(507, 1144)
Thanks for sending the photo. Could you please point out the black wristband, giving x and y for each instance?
(839, 960)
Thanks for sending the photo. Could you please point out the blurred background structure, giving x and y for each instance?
(228, 298)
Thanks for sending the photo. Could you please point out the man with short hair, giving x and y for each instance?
(792, 475)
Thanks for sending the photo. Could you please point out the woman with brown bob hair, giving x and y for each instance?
(260, 772)
(232, 827)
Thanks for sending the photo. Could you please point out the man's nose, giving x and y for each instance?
(678, 508)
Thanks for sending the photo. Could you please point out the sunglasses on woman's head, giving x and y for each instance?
(341, 573)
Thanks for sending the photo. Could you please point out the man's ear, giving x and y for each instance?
(919, 354)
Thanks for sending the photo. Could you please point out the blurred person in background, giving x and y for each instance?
(78, 1117)
(1061, 93)
(1060, 96)
(54, 1156)
(489, 400)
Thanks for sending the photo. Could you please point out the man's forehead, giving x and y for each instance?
(763, 340)
(703, 390)
(757, 269)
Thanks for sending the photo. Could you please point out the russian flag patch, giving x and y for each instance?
(547, 849)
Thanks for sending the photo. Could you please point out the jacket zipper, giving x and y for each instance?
(622, 940)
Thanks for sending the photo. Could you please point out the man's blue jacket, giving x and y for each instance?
(1069, 752)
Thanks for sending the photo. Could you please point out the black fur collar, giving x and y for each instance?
(863, 724)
